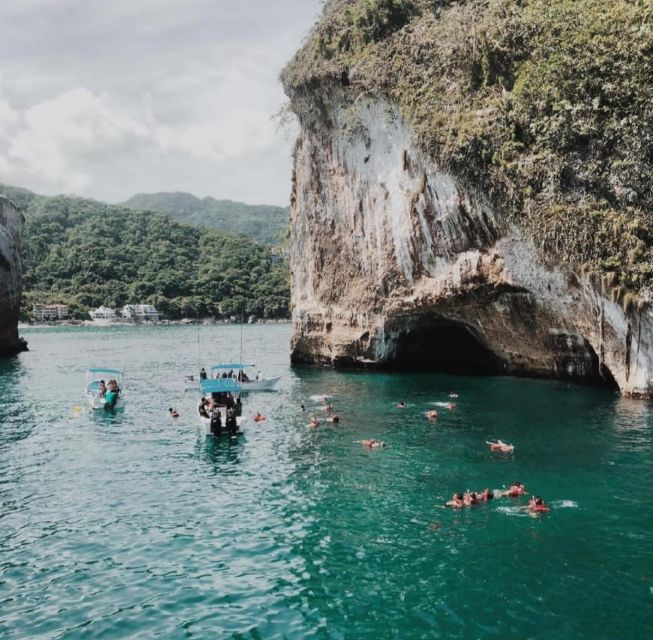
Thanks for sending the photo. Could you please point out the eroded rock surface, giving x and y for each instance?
(11, 227)
(396, 263)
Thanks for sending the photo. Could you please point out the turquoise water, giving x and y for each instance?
(130, 525)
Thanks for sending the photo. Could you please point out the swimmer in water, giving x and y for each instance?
(401, 405)
(432, 415)
(372, 444)
(302, 407)
(470, 498)
(451, 406)
(456, 501)
(516, 489)
(259, 418)
(173, 413)
(502, 446)
(328, 408)
(536, 504)
(333, 418)
(314, 422)
(485, 495)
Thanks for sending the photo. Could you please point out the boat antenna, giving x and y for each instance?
(241, 335)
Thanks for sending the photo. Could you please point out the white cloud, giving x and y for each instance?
(110, 99)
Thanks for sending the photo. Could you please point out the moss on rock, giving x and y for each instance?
(546, 106)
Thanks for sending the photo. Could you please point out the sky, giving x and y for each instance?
(105, 99)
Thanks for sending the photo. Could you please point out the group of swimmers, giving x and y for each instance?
(516, 489)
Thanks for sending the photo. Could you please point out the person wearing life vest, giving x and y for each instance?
(536, 505)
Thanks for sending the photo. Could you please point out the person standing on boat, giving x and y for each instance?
(202, 373)
(231, 423)
(111, 396)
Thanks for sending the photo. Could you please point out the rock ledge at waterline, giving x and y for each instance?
(396, 263)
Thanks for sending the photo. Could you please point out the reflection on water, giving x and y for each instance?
(130, 524)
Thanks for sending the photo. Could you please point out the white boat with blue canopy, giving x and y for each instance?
(104, 397)
(220, 390)
(248, 381)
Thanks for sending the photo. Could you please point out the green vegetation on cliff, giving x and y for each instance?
(87, 253)
(263, 223)
(543, 105)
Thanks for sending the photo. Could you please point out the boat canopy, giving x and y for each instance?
(235, 365)
(119, 372)
(220, 385)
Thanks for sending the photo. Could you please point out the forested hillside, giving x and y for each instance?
(86, 253)
(262, 223)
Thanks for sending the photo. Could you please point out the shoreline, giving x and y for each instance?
(160, 323)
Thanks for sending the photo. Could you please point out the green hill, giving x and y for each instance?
(86, 253)
(263, 223)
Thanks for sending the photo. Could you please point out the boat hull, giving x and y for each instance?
(268, 384)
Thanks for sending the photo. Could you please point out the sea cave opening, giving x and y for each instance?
(444, 347)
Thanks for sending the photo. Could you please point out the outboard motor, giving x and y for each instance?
(232, 423)
(216, 423)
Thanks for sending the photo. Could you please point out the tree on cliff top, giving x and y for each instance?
(543, 105)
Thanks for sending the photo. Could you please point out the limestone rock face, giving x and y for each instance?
(395, 263)
(11, 228)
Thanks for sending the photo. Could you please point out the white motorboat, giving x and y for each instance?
(98, 396)
(220, 390)
(247, 381)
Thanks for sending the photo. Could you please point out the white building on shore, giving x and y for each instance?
(140, 313)
(103, 314)
(49, 312)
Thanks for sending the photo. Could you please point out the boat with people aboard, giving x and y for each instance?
(220, 409)
(244, 374)
(104, 388)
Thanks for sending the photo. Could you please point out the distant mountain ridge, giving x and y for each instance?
(265, 224)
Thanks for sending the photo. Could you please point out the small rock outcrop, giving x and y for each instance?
(11, 228)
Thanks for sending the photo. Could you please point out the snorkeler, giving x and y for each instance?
(500, 445)
(537, 505)
(372, 444)
(456, 501)
(516, 489)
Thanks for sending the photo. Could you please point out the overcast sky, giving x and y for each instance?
(108, 98)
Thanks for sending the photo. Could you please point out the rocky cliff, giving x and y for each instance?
(407, 251)
(11, 227)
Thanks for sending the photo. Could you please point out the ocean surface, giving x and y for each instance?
(131, 525)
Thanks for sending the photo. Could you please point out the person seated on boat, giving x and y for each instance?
(516, 489)
(203, 409)
(485, 495)
(111, 396)
(456, 501)
(244, 377)
(173, 413)
(238, 407)
(432, 414)
(372, 443)
(259, 418)
(333, 418)
(314, 422)
(102, 390)
(470, 498)
(502, 446)
(231, 422)
(202, 373)
(224, 375)
(401, 405)
(537, 505)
